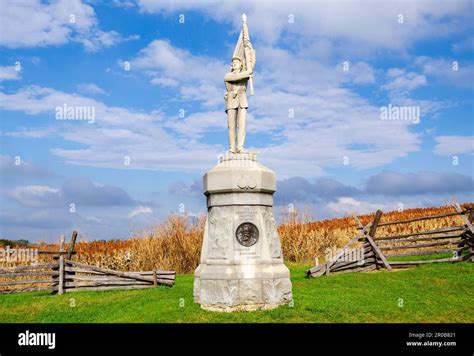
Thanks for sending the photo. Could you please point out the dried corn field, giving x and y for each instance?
(176, 243)
(173, 245)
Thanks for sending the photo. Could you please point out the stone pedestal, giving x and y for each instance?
(241, 260)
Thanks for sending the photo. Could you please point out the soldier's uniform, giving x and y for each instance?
(236, 95)
(236, 109)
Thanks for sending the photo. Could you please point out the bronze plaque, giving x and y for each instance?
(247, 234)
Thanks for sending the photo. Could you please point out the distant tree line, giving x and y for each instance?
(14, 243)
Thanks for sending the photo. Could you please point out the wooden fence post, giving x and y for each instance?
(469, 225)
(359, 224)
(375, 223)
(61, 265)
(471, 220)
(71, 247)
(369, 237)
(70, 252)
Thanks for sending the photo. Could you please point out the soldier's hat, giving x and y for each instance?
(241, 62)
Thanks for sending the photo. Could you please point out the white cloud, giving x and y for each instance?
(35, 100)
(36, 195)
(100, 39)
(122, 3)
(199, 77)
(90, 88)
(80, 191)
(453, 145)
(350, 206)
(286, 80)
(361, 73)
(454, 72)
(93, 219)
(140, 210)
(346, 22)
(196, 124)
(166, 82)
(341, 126)
(311, 86)
(17, 167)
(345, 123)
(32, 133)
(9, 73)
(400, 82)
(327, 126)
(117, 133)
(35, 23)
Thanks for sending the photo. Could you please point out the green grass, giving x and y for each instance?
(431, 293)
(425, 257)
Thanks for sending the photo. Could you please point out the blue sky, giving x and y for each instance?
(153, 73)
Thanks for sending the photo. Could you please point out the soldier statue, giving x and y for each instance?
(241, 73)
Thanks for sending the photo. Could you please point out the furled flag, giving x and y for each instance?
(244, 51)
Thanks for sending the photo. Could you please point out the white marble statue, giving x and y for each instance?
(241, 266)
(241, 72)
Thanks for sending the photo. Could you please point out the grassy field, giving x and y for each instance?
(430, 293)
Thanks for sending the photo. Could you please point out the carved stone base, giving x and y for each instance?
(241, 260)
(241, 308)
(219, 288)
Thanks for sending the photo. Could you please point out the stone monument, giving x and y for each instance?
(241, 259)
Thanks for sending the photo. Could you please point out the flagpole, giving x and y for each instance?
(247, 49)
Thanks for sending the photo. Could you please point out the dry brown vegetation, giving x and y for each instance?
(302, 240)
(176, 243)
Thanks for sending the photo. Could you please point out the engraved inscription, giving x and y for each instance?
(246, 214)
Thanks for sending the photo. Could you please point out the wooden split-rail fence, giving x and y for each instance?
(377, 252)
(65, 275)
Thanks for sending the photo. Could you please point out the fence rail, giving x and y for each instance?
(377, 251)
(66, 275)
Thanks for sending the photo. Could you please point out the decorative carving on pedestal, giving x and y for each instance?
(272, 234)
(230, 291)
(276, 291)
(249, 292)
(219, 232)
(246, 182)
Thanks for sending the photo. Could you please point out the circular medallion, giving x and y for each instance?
(247, 234)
